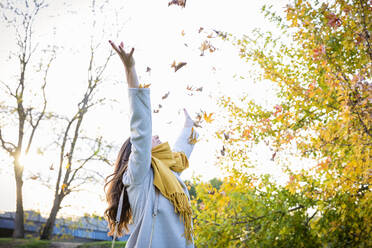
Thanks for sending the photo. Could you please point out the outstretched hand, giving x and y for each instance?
(126, 58)
(128, 62)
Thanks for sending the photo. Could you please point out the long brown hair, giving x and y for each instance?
(115, 186)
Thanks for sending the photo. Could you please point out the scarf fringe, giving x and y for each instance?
(182, 206)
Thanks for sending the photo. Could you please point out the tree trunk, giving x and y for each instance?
(49, 225)
(19, 228)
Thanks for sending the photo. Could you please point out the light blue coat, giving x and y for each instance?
(155, 222)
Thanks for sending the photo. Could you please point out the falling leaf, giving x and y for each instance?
(51, 167)
(181, 3)
(165, 96)
(208, 118)
(160, 106)
(272, 158)
(206, 45)
(193, 137)
(200, 29)
(189, 88)
(148, 69)
(34, 177)
(144, 86)
(219, 33)
(178, 66)
(156, 111)
(226, 135)
(199, 89)
(210, 36)
(223, 151)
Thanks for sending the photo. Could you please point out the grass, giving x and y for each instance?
(35, 243)
(23, 243)
(102, 244)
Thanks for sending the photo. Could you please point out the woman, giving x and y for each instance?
(145, 188)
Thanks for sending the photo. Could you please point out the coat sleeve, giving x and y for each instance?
(140, 134)
(182, 143)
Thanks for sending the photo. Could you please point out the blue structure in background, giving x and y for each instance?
(84, 228)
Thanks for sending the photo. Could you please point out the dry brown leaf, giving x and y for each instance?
(165, 96)
(193, 137)
(181, 3)
(144, 86)
(178, 66)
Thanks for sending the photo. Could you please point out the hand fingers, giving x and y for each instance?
(114, 47)
(123, 54)
(131, 52)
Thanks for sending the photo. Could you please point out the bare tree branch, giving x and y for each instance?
(5, 145)
(41, 115)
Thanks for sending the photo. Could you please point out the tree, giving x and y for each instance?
(27, 116)
(71, 163)
(321, 66)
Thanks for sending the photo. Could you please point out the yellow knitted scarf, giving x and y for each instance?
(163, 160)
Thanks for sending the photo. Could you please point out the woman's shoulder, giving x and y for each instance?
(129, 181)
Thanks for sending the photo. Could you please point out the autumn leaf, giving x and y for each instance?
(226, 136)
(144, 86)
(246, 133)
(181, 3)
(208, 118)
(193, 137)
(34, 177)
(183, 33)
(63, 186)
(148, 69)
(319, 52)
(219, 33)
(68, 165)
(206, 45)
(333, 20)
(223, 151)
(200, 29)
(273, 156)
(210, 36)
(190, 88)
(165, 96)
(178, 66)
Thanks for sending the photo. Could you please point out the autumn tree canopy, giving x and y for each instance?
(321, 64)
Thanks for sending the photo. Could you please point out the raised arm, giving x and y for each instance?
(140, 119)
